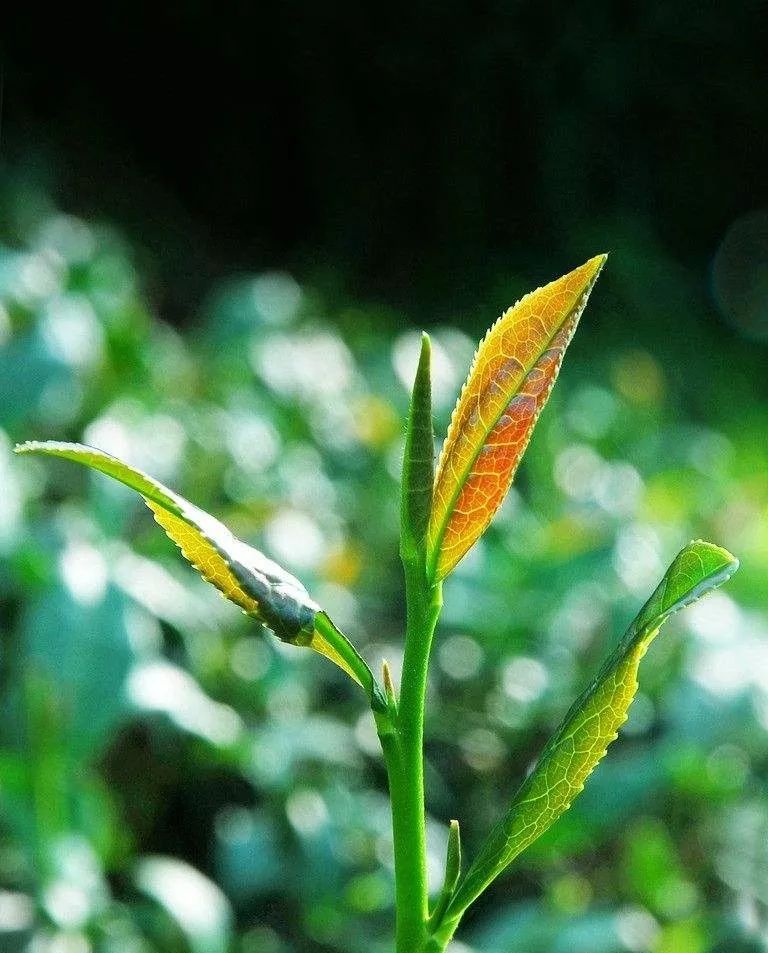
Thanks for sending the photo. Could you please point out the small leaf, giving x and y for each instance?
(452, 872)
(389, 686)
(245, 576)
(591, 724)
(511, 377)
(418, 463)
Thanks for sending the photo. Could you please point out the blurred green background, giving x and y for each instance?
(220, 231)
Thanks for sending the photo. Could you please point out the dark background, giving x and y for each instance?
(411, 149)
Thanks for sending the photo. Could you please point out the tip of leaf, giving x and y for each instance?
(29, 447)
(426, 348)
(721, 564)
(389, 687)
(453, 859)
(44, 446)
(594, 266)
(697, 569)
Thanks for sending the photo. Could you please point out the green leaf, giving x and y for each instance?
(245, 576)
(591, 724)
(418, 463)
(452, 872)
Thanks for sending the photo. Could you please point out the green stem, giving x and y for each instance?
(442, 936)
(404, 755)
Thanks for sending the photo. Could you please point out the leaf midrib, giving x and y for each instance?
(434, 555)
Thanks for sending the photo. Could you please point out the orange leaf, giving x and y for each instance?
(511, 377)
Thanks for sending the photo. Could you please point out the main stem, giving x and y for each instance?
(404, 754)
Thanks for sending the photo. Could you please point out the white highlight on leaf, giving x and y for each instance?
(152, 442)
(306, 365)
(637, 557)
(637, 929)
(250, 658)
(162, 687)
(69, 237)
(366, 736)
(60, 401)
(295, 539)
(69, 942)
(452, 353)
(307, 812)
(591, 411)
(251, 440)
(36, 276)
(6, 328)
(11, 498)
(614, 486)
(277, 296)
(84, 572)
(165, 596)
(576, 469)
(197, 904)
(72, 331)
(287, 702)
(16, 911)
(524, 679)
(77, 889)
(483, 749)
(716, 620)
(460, 657)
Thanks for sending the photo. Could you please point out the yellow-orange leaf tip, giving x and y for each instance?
(512, 375)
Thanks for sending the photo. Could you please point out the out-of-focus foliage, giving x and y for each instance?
(171, 781)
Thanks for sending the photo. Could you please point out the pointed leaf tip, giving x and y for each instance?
(244, 575)
(389, 685)
(418, 462)
(698, 568)
(512, 375)
(452, 874)
(592, 723)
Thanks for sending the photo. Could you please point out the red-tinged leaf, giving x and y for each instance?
(510, 380)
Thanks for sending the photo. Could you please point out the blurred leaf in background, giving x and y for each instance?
(170, 780)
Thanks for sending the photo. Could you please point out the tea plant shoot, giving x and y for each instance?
(445, 508)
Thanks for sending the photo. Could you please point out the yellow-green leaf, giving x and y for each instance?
(511, 377)
(243, 574)
(591, 724)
